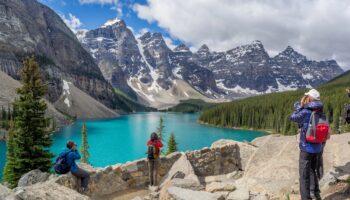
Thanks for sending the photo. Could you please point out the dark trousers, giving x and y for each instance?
(308, 176)
(83, 176)
(152, 165)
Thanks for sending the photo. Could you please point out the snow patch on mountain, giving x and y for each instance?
(110, 22)
(307, 76)
(66, 92)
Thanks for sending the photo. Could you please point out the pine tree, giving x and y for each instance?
(160, 129)
(31, 136)
(3, 113)
(84, 149)
(10, 167)
(172, 145)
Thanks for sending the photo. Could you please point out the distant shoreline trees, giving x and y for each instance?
(271, 112)
(30, 137)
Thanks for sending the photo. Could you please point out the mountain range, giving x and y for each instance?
(148, 70)
(110, 60)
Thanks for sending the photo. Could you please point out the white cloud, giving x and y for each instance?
(320, 29)
(72, 22)
(169, 42)
(141, 32)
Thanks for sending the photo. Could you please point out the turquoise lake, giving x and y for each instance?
(124, 138)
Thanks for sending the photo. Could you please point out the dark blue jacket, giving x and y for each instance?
(302, 115)
(71, 157)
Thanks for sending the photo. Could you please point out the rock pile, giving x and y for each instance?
(264, 169)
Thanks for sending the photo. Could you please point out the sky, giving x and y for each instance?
(319, 29)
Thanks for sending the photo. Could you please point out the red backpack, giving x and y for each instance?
(318, 130)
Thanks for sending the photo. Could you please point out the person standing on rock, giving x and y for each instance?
(154, 147)
(309, 152)
(72, 156)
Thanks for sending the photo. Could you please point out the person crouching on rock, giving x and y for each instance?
(74, 169)
(154, 147)
(309, 152)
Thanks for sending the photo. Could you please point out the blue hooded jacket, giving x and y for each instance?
(71, 157)
(302, 115)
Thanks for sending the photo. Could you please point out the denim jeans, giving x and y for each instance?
(84, 177)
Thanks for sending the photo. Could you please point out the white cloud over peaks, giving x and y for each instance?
(319, 29)
(72, 22)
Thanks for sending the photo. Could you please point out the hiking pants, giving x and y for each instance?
(152, 165)
(308, 178)
(84, 177)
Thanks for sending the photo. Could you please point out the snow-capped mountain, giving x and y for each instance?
(147, 69)
(249, 70)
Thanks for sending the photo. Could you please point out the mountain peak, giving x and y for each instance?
(182, 47)
(114, 22)
(292, 55)
(203, 48)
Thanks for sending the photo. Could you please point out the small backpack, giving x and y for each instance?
(151, 152)
(61, 166)
(318, 130)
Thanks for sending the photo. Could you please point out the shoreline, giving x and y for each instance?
(268, 132)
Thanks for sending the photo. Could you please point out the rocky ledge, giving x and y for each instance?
(266, 168)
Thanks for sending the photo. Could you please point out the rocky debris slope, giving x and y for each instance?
(80, 105)
(8, 94)
(262, 170)
(29, 28)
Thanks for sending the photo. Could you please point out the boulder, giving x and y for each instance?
(239, 194)
(220, 186)
(48, 191)
(182, 168)
(245, 149)
(33, 177)
(186, 194)
(4, 191)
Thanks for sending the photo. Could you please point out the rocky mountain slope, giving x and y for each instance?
(145, 67)
(8, 94)
(30, 28)
(242, 71)
(265, 169)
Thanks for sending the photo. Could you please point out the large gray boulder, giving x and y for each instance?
(245, 150)
(186, 194)
(4, 191)
(33, 177)
(182, 168)
(48, 191)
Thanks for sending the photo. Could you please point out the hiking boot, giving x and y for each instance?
(84, 191)
(316, 196)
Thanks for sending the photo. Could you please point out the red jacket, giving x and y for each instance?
(157, 144)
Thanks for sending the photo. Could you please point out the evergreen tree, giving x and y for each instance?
(31, 136)
(3, 113)
(10, 168)
(84, 149)
(160, 129)
(172, 145)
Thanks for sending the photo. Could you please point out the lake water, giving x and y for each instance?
(124, 138)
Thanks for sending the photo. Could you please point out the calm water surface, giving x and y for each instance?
(124, 138)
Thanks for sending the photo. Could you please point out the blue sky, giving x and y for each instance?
(318, 29)
(94, 13)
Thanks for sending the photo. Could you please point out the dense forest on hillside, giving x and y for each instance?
(127, 104)
(271, 112)
(190, 106)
